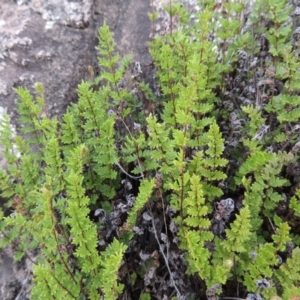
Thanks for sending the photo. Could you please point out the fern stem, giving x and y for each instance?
(113, 72)
(54, 232)
(49, 289)
(184, 59)
(171, 17)
(136, 147)
(86, 246)
(165, 258)
(130, 176)
(63, 287)
(94, 116)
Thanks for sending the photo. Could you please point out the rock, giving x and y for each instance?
(130, 25)
(48, 41)
(15, 278)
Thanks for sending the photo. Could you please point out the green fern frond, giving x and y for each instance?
(143, 197)
(239, 233)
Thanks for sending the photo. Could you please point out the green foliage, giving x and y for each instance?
(112, 259)
(143, 197)
(239, 233)
(214, 207)
(288, 274)
(194, 231)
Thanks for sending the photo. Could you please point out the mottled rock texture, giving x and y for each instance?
(53, 42)
(48, 41)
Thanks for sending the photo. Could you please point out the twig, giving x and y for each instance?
(133, 177)
(165, 258)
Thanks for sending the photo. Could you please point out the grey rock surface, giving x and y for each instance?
(45, 41)
(15, 278)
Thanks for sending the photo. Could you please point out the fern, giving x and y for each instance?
(194, 231)
(112, 259)
(179, 181)
(140, 202)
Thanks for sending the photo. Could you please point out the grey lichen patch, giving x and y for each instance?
(2, 23)
(43, 55)
(3, 89)
(25, 41)
(23, 2)
(16, 18)
(12, 23)
(8, 43)
(76, 15)
(162, 25)
(3, 47)
(2, 65)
